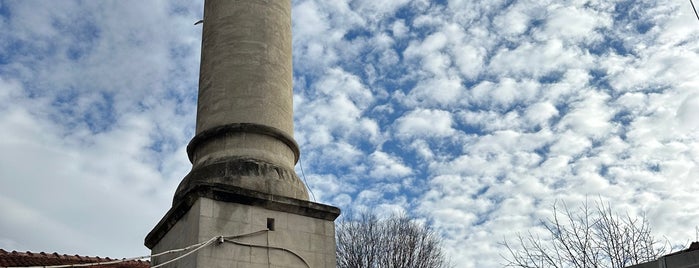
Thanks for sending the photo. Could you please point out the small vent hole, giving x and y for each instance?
(270, 224)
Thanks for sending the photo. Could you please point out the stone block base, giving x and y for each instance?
(259, 231)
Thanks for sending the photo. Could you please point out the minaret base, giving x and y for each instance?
(262, 230)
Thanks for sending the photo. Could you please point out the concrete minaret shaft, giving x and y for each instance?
(242, 184)
(245, 112)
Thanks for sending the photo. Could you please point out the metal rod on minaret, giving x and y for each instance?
(244, 129)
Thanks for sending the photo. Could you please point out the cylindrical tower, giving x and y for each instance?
(244, 130)
(242, 184)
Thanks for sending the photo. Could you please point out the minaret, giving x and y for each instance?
(242, 184)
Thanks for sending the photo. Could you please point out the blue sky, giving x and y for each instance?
(478, 115)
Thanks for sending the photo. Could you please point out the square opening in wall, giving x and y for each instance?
(270, 224)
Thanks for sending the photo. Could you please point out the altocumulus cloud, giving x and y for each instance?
(477, 115)
(97, 102)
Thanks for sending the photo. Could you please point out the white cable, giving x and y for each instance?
(187, 254)
(230, 239)
(86, 264)
(304, 180)
(245, 235)
(198, 246)
(270, 247)
(177, 250)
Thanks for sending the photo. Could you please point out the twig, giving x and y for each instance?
(695, 9)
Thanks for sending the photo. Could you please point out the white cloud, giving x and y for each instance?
(308, 20)
(469, 59)
(539, 113)
(688, 111)
(574, 23)
(378, 9)
(590, 116)
(505, 93)
(512, 22)
(60, 175)
(423, 149)
(538, 59)
(386, 166)
(424, 123)
(335, 109)
(86, 98)
(399, 28)
(437, 91)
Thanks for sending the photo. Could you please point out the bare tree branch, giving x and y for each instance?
(586, 237)
(395, 242)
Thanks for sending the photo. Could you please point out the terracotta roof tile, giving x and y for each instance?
(25, 259)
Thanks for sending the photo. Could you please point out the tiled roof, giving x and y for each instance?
(26, 259)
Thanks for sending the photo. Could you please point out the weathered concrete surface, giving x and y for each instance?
(233, 194)
(245, 173)
(246, 71)
(296, 241)
(244, 153)
(245, 108)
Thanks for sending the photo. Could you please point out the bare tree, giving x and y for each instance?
(395, 242)
(587, 237)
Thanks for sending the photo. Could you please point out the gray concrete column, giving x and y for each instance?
(244, 130)
(242, 184)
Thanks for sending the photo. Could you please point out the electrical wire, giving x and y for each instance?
(246, 235)
(193, 248)
(87, 264)
(269, 259)
(230, 239)
(188, 253)
(178, 250)
(198, 245)
(693, 8)
(305, 181)
(270, 247)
